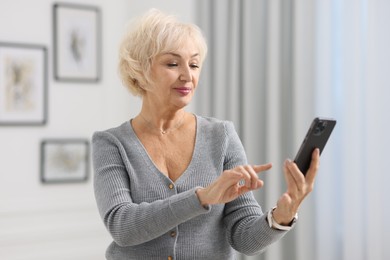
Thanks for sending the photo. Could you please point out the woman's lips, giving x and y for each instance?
(183, 91)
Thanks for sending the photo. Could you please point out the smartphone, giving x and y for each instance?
(316, 137)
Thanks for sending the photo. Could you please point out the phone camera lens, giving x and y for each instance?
(320, 127)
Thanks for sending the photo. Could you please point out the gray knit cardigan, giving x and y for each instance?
(151, 217)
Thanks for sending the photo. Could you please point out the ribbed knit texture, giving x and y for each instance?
(148, 220)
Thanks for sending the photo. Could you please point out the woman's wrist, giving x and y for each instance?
(200, 192)
(283, 219)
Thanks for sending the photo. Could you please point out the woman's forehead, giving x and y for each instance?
(185, 48)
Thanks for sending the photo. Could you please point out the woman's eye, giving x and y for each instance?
(194, 66)
(172, 64)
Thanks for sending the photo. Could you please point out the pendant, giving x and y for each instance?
(163, 132)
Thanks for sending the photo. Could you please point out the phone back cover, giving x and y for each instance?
(316, 137)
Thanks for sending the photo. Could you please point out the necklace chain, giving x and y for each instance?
(164, 131)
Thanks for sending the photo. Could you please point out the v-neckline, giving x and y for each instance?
(151, 163)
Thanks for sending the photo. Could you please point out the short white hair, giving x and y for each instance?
(148, 36)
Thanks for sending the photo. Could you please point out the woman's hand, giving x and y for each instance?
(232, 183)
(298, 187)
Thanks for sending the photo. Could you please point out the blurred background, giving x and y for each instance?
(273, 65)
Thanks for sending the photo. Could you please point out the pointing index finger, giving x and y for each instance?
(262, 167)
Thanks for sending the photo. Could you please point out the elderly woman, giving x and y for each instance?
(173, 185)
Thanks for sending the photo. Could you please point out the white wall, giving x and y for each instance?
(61, 221)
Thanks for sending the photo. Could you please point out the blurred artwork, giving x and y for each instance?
(77, 45)
(76, 42)
(64, 160)
(23, 84)
(19, 85)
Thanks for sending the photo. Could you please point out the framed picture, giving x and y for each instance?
(77, 42)
(23, 84)
(64, 160)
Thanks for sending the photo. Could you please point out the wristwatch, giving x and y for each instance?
(273, 224)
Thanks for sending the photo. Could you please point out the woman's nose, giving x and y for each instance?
(185, 74)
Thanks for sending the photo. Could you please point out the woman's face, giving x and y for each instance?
(175, 77)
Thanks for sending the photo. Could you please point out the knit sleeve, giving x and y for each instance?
(127, 222)
(247, 228)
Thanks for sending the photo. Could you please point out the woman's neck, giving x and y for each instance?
(162, 121)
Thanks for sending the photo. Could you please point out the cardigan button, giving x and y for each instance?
(173, 233)
(170, 258)
(171, 186)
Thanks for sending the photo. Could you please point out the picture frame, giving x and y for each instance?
(77, 42)
(64, 160)
(23, 84)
